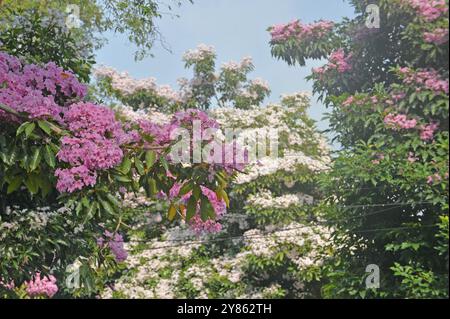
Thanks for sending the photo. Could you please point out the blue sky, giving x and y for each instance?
(236, 28)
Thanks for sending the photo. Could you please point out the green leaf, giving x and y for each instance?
(107, 206)
(206, 209)
(14, 184)
(29, 129)
(49, 156)
(91, 209)
(85, 202)
(186, 188)
(123, 179)
(22, 128)
(196, 191)
(191, 208)
(35, 159)
(153, 189)
(139, 166)
(113, 200)
(45, 185)
(32, 183)
(150, 158)
(125, 166)
(223, 195)
(45, 127)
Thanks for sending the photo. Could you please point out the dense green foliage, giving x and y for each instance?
(389, 182)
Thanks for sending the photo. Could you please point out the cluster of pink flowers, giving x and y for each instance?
(360, 100)
(160, 132)
(40, 287)
(209, 226)
(75, 178)
(115, 243)
(429, 10)
(196, 123)
(196, 223)
(429, 79)
(338, 61)
(437, 36)
(186, 119)
(427, 131)
(435, 178)
(95, 145)
(397, 96)
(399, 121)
(36, 90)
(299, 31)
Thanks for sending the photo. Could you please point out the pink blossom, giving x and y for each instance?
(429, 10)
(95, 145)
(45, 286)
(301, 32)
(349, 101)
(399, 121)
(74, 178)
(338, 61)
(115, 244)
(427, 132)
(196, 223)
(438, 36)
(429, 79)
(36, 90)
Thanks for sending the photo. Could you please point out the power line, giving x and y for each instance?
(394, 228)
(391, 205)
(191, 242)
(187, 242)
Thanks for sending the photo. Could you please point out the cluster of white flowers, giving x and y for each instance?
(266, 245)
(232, 66)
(289, 163)
(126, 85)
(298, 98)
(147, 267)
(273, 115)
(261, 83)
(32, 219)
(265, 199)
(157, 270)
(199, 54)
(150, 114)
(135, 200)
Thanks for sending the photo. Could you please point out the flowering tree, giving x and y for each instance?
(269, 244)
(228, 87)
(387, 89)
(135, 19)
(66, 165)
(42, 37)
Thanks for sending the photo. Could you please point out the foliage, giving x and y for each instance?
(387, 89)
(136, 19)
(270, 245)
(39, 37)
(58, 152)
